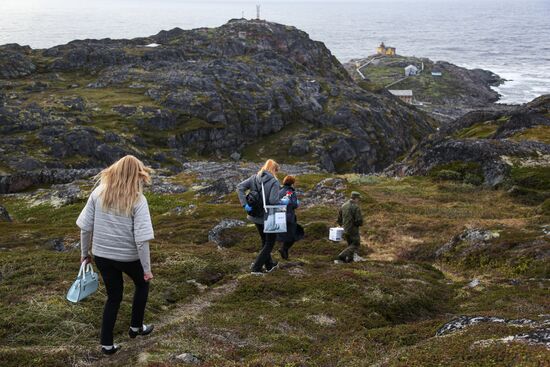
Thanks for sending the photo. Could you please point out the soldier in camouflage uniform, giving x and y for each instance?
(351, 219)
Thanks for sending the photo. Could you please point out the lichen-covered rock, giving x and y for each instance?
(474, 237)
(15, 61)
(20, 181)
(462, 322)
(217, 236)
(56, 244)
(327, 192)
(58, 195)
(187, 358)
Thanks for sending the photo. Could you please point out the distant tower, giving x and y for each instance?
(258, 12)
(242, 14)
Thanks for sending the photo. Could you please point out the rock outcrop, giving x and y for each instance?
(202, 92)
(488, 144)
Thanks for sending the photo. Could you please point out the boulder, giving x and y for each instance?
(56, 244)
(475, 238)
(217, 234)
(327, 192)
(4, 215)
(462, 322)
(187, 358)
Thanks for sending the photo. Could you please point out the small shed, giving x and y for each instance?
(242, 35)
(411, 70)
(406, 95)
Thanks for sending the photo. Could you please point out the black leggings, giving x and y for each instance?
(268, 241)
(111, 272)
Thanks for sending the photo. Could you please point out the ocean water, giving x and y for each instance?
(508, 37)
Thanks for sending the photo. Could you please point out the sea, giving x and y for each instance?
(509, 37)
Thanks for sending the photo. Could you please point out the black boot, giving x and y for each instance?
(111, 351)
(144, 330)
(284, 252)
(270, 267)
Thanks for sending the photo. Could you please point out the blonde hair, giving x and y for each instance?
(122, 184)
(270, 166)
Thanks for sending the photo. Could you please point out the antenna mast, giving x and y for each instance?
(258, 12)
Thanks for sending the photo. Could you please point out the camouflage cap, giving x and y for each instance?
(355, 194)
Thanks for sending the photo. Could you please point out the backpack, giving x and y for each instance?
(254, 199)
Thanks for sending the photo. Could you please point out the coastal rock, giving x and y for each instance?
(205, 92)
(15, 61)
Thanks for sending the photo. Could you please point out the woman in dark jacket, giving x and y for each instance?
(253, 185)
(294, 232)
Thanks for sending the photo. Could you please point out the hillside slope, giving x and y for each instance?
(457, 275)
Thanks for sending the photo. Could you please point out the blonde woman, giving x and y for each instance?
(117, 224)
(252, 203)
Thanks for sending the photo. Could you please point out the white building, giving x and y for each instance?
(411, 70)
(406, 95)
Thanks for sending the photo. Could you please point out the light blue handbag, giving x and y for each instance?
(86, 283)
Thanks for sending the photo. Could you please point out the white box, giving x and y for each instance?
(336, 234)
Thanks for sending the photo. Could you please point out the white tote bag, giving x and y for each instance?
(276, 216)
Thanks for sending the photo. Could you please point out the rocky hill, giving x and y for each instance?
(248, 88)
(457, 91)
(508, 148)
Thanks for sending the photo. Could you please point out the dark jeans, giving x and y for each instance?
(111, 272)
(264, 257)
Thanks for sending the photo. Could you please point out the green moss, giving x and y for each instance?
(545, 208)
(482, 130)
(538, 133)
(468, 172)
(530, 184)
(277, 146)
(446, 174)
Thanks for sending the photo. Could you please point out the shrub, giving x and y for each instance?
(448, 175)
(473, 179)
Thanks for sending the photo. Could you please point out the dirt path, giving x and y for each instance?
(168, 326)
